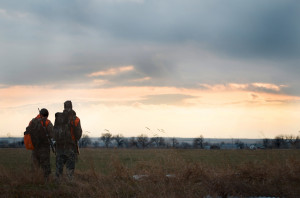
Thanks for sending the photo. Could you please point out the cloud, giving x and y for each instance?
(256, 87)
(169, 43)
(3, 12)
(3, 86)
(12, 15)
(112, 71)
(141, 79)
(166, 99)
(99, 82)
(254, 96)
(248, 29)
(119, 1)
(268, 86)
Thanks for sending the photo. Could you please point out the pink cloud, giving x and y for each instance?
(112, 71)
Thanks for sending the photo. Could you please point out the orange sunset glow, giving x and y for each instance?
(218, 111)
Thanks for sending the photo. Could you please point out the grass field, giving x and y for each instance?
(197, 173)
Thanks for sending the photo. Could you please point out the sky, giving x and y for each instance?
(171, 68)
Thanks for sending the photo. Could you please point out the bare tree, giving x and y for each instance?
(143, 140)
(132, 142)
(240, 144)
(85, 141)
(96, 144)
(106, 138)
(161, 142)
(198, 142)
(119, 139)
(297, 142)
(292, 141)
(185, 145)
(279, 141)
(267, 143)
(175, 142)
(158, 141)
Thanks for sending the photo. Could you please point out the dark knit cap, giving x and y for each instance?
(68, 105)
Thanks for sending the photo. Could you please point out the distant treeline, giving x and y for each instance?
(107, 140)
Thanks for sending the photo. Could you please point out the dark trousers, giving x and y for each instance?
(65, 157)
(41, 159)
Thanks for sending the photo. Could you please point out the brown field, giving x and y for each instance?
(197, 173)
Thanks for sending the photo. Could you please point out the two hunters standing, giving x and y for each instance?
(66, 133)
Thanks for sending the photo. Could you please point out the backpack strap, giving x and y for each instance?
(47, 134)
(44, 123)
(73, 128)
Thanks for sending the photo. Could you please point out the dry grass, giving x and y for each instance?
(108, 173)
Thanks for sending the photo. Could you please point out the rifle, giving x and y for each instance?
(47, 135)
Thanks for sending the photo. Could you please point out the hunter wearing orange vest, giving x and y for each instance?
(41, 132)
(67, 132)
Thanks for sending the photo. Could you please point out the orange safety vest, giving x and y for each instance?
(27, 138)
(72, 128)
